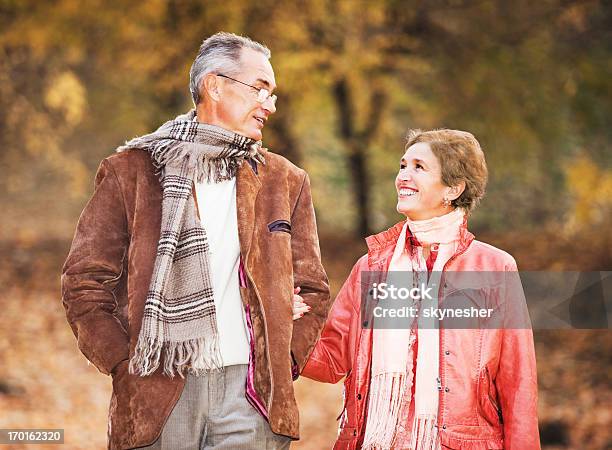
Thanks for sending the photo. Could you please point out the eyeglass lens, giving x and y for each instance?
(264, 94)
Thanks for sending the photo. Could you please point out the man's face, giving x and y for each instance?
(238, 109)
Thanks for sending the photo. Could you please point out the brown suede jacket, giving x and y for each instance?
(106, 278)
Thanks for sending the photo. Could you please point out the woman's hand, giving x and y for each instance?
(299, 307)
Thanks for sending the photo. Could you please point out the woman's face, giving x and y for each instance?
(420, 191)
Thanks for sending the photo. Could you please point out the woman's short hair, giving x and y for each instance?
(461, 159)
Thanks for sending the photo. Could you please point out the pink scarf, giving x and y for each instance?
(392, 370)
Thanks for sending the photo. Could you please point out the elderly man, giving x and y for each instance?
(181, 277)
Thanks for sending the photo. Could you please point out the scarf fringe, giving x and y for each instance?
(386, 395)
(425, 433)
(196, 356)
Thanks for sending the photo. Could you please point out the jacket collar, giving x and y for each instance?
(381, 245)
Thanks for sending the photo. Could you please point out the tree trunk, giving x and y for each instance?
(357, 143)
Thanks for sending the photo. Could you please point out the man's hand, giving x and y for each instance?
(299, 307)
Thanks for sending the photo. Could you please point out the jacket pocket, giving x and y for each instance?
(489, 408)
(347, 434)
(280, 225)
(346, 392)
(120, 370)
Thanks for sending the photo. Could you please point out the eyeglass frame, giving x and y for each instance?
(260, 98)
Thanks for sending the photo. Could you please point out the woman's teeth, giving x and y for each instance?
(406, 192)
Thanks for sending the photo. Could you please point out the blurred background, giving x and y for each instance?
(532, 80)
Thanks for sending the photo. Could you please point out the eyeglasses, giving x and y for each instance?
(262, 93)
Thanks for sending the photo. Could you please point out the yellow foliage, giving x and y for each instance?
(67, 94)
(590, 186)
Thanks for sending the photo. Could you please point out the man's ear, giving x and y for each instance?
(455, 192)
(210, 86)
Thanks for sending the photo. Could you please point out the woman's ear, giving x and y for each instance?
(454, 192)
(210, 85)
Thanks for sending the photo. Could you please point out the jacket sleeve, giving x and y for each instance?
(93, 269)
(309, 275)
(332, 357)
(516, 381)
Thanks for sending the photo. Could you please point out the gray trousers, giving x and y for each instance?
(213, 412)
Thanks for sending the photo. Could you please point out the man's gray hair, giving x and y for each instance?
(220, 53)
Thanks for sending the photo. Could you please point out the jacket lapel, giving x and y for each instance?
(247, 188)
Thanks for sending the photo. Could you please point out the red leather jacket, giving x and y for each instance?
(489, 394)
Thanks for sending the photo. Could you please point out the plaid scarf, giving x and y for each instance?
(179, 316)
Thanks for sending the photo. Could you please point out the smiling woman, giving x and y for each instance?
(426, 386)
(440, 170)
